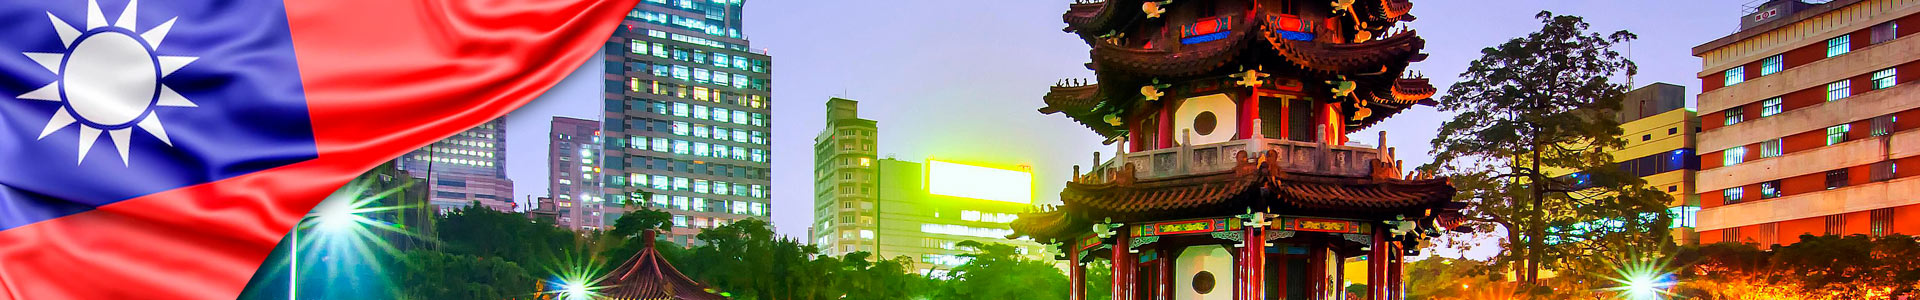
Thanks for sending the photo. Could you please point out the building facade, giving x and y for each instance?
(1801, 130)
(845, 181)
(1659, 132)
(467, 167)
(926, 210)
(573, 174)
(688, 116)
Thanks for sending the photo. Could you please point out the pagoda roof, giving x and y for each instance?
(1079, 102)
(1258, 186)
(648, 276)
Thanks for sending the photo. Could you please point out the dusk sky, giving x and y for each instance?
(961, 80)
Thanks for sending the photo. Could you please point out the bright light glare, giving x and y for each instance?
(1643, 279)
(579, 280)
(977, 182)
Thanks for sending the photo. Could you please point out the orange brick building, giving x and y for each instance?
(1807, 117)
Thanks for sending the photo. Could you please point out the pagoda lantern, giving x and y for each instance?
(1235, 177)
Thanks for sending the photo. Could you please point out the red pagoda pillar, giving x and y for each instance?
(1254, 262)
(1377, 265)
(1123, 266)
(1076, 274)
(1394, 288)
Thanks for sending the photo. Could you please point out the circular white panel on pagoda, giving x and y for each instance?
(1203, 273)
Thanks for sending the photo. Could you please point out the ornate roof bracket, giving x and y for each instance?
(1359, 238)
(1133, 245)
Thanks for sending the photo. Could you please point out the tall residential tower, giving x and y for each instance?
(844, 181)
(573, 174)
(687, 124)
(1800, 123)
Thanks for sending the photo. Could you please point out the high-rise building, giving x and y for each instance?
(687, 124)
(1659, 133)
(927, 210)
(844, 181)
(573, 174)
(1800, 124)
(465, 168)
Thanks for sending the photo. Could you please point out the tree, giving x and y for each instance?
(537, 246)
(997, 271)
(1817, 267)
(623, 240)
(431, 274)
(1532, 107)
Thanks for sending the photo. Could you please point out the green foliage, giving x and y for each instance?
(1533, 109)
(1817, 267)
(996, 271)
(538, 248)
(437, 275)
(623, 240)
(1439, 276)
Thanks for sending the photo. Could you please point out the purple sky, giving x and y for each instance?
(962, 79)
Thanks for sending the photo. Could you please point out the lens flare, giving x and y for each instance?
(579, 280)
(1645, 278)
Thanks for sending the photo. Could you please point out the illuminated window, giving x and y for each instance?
(680, 109)
(1733, 194)
(1883, 79)
(1735, 115)
(1770, 107)
(1733, 156)
(1839, 89)
(1772, 64)
(1838, 134)
(680, 202)
(1839, 45)
(1770, 148)
(1736, 75)
(1770, 189)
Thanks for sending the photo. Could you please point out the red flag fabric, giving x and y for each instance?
(380, 78)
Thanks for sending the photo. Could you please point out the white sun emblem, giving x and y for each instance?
(109, 79)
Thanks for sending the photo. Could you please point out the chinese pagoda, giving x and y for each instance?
(647, 276)
(1234, 177)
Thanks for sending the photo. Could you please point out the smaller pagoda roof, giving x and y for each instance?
(648, 276)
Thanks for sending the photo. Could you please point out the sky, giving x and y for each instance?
(962, 80)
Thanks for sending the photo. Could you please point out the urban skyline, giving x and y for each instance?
(945, 77)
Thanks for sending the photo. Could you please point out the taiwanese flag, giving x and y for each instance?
(159, 149)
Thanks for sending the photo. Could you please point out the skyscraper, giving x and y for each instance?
(1800, 123)
(926, 210)
(573, 174)
(467, 167)
(687, 125)
(844, 181)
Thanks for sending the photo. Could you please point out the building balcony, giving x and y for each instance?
(1294, 156)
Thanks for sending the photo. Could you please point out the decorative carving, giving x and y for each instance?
(1136, 242)
(1359, 238)
(1273, 235)
(1231, 235)
(1123, 176)
(1384, 170)
(1250, 77)
(1152, 91)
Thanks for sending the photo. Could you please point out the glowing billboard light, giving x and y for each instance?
(977, 182)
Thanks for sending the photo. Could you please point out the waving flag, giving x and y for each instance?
(159, 149)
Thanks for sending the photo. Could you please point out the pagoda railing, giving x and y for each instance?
(1294, 156)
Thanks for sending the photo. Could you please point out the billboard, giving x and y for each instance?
(977, 182)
